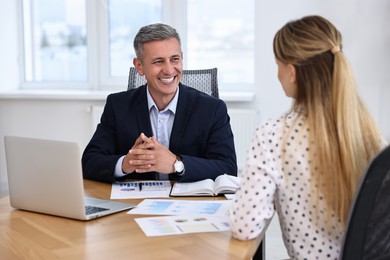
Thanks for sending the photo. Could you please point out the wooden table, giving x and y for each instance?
(27, 235)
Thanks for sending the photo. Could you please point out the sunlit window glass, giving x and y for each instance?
(55, 45)
(220, 33)
(125, 19)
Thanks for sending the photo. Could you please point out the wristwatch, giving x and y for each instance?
(178, 166)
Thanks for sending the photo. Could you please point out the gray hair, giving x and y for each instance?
(153, 32)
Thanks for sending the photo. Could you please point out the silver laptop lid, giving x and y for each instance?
(45, 176)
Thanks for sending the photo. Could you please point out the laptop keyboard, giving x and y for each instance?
(93, 209)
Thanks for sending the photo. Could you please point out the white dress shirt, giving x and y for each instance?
(162, 123)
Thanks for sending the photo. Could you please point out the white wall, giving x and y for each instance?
(366, 43)
(364, 25)
(65, 120)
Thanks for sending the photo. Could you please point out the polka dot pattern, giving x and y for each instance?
(276, 180)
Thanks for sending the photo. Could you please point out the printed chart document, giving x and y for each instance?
(223, 184)
(176, 225)
(140, 189)
(182, 207)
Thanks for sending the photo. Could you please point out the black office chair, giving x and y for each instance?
(367, 234)
(205, 80)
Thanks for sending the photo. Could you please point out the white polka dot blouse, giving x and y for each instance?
(276, 180)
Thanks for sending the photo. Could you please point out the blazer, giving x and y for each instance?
(201, 135)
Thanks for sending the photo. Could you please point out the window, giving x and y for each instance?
(55, 46)
(123, 27)
(220, 34)
(88, 44)
(124, 18)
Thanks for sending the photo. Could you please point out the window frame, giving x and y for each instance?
(98, 78)
(49, 85)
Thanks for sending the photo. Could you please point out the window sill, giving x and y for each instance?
(95, 95)
(44, 94)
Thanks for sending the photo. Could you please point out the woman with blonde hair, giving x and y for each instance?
(307, 163)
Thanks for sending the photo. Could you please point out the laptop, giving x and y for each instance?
(45, 176)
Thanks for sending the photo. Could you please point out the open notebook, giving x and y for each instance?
(45, 176)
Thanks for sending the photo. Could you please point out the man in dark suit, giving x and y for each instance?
(164, 129)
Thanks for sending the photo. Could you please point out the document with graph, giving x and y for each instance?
(140, 189)
(182, 207)
(176, 225)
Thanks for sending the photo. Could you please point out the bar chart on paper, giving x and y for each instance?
(183, 216)
(175, 225)
(140, 189)
(182, 207)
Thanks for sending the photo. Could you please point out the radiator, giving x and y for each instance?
(243, 122)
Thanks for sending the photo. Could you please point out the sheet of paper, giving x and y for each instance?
(182, 207)
(131, 189)
(230, 196)
(175, 225)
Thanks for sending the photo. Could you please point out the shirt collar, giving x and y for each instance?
(171, 106)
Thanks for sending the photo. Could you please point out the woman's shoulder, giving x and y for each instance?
(280, 125)
(285, 120)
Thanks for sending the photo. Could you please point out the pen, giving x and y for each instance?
(140, 186)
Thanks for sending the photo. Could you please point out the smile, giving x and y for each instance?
(167, 80)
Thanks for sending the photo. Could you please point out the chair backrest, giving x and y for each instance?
(205, 80)
(367, 235)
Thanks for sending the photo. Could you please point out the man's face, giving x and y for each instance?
(162, 64)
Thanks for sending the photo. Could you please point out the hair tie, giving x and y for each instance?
(335, 49)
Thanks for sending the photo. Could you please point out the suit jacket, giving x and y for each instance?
(201, 135)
